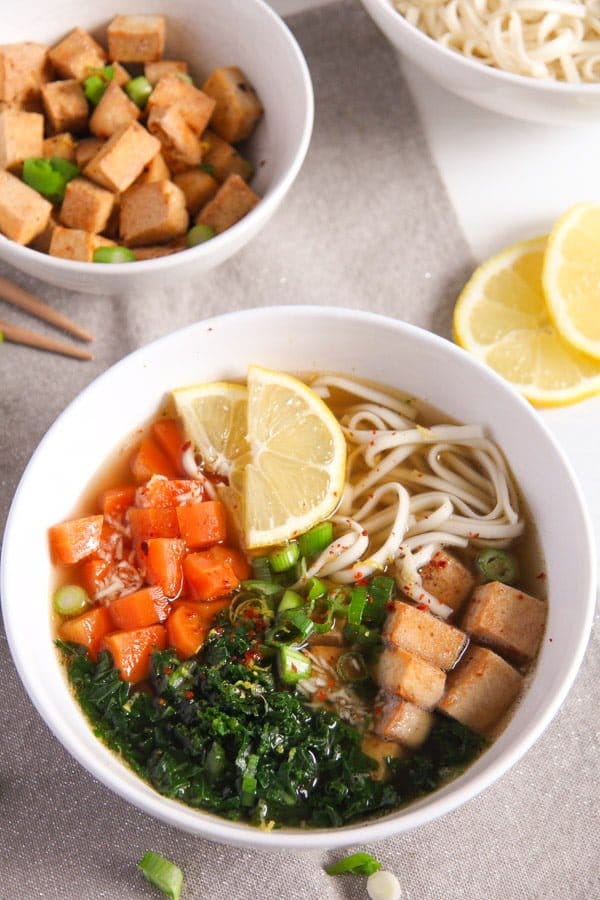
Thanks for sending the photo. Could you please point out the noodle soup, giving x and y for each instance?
(338, 675)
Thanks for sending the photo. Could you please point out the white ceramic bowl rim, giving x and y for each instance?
(239, 834)
(430, 45)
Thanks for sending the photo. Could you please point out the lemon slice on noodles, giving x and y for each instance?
(501, 317)
(214, 418)
(571, 277)
(294, 472)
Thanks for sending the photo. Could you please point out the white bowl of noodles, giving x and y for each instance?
(536, 60)
(300, 340)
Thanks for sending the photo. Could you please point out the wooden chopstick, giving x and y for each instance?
(24, 336)
(16, 295)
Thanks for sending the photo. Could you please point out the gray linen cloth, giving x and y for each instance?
(366, 225)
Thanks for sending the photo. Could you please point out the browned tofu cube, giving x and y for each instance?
(75, 55)
(72, 243)
(136, 38)
(382, 752)
(43, 239)
(420, 632)
(24, 68)
(61, 145)
(86, 206)
(195, 106)
(399, 720)
(156, 170)
(157, 250)
(448, 580)
(121, 75)
(154, 71)
(24, 213)
(181, 147)
(114, 110)
(237, 109)
(481, 689)
(152, 213)
(232, 202)
(86, 150)
(123, 157)
(408, 676)
(65, 106)
(223, 160)
(21, 136)
(199, 187)
(506, 619)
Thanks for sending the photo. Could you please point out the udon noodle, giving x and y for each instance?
(539, 38)
(411, 490)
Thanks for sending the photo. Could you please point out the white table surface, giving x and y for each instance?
(508, 181)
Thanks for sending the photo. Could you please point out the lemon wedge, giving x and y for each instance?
(501, 317)
(214, 418)
(295, 470)
(571, 277)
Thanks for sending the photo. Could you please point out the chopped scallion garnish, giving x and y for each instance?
(162, 873)
(113, 255)
(70, 600)
(356, 607)
(497, 565)
(290, 600)
(316, 540)
(138, 90)
(285, 557)
(356, 864)
(293, 665)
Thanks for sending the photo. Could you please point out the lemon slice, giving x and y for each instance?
(214, 419)
(295, 469)
(571, 277)
(501, 317)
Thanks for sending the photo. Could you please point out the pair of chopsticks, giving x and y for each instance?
(31, 304)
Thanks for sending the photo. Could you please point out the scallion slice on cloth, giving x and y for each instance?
(357, 864)
(162, 873)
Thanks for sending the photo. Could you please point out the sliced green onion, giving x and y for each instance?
(199, 234)
(290, 600)
(301, 622)
(356, 607)
(216, 760)
(283, 559)
(316, 540)
(162, 873)
(316, 590)
(249, 782)
(497, 565)
(93, 88)
(381, 591)
(138, 90)
(113, 255)
(356, 864)
(351, 666)
(71, 600)
(66, 168)
(293, 666)
(339, 599)
(48, 177)
(261, 570)
(207, 167)
(364, 637)
(107, 73)
(323, 624)
(268, 588)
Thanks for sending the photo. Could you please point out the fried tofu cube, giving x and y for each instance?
(156, 170)
(154, 71)
(43, 239)
(136, 38)
(114, 110)
(223, 160)
(232, 202)
(75, 244)
(481, 689)
(199, 187)
(237, 108)
(76, 54)
(408, 676)
(382, 752)
(448, 580)
(86, 206)
(61, 146)
(24, 213)
(506, 619)
(65, 105)
(21, 136)
(420, 632)
(157, 250)
(195, 106)
(121, 75)
(153, 213)
(402, 721)
(86, 150)
(24, 68)
(123, 157)
(180, 145)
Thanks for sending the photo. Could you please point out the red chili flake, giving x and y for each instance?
(441, 563)
(169, 670)
(371, 443)
(321, 695)
(541, 575)
(422, 606)
(189, 695)
(162, 701)
(390, 606)
(378, 709)
(358, 576)
(187, 445)
(374, 431)
(365, 533)
(219, 630)
(473, 535)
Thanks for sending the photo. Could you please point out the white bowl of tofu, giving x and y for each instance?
(183, 126)
(545, 626)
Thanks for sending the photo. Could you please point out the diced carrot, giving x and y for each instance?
(72, 541)
(131, 650)
(207, 578)
(207, 609)
(113, 543)
(187, 629)
(202, 524)
(88, 629)
(116, 501)
(151, 522)
(149, 460)
(164, 558)
(235, 558)
(165, 492)
(149, 606)
(168, 434)
(93, 574)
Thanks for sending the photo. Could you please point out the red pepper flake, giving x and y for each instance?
(365, 533)
(390, 606)
(440, 563)
(162, 701)
(371, 443)
(186, 446)
(422, 606)
(189, 695)
(541, 575)
(378, 709)
(321, 695)
(358, 576)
